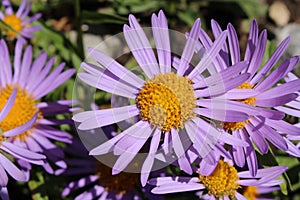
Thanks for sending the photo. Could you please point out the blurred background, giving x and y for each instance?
(70, 26)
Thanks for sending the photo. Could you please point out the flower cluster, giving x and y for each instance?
(208, 112)
(209, 119)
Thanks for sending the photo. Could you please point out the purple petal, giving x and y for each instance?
(20, 129)
(257, 138)
(234, 46)
(162, 41)
(99, 118)
(177, 187)
(12, 169)
(189, 48)
(8, 105)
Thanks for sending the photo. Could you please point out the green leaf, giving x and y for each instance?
(99, 18)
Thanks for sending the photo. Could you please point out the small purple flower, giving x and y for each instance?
(19, 21)
(33, 80)
(224, 182)
(96, 178)
(260, 92)
(166, 103)
(5, 164)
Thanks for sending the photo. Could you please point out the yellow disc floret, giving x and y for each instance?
(222, 182)
(167, 101)
(21, 112)
(250, 192)
(250, 101)
(15, 23)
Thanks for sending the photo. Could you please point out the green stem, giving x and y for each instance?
(79, 30)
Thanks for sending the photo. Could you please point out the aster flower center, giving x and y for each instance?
(250, 101)
(167, 101)
(119, 183)
(250, 192)
(222, 182)
(14, 22)
(21, 112)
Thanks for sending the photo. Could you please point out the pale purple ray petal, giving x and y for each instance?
(258, 53)
(3, 177)
(141, 48)
(222, 87)
(28, 30)
(180, 152)
(234, 46)
(289, 111)
(283, 126)
(32, 145)
(107, 146)
(292, 149)
(257, 138)
(49, 132)
(130, 139)
(17, 59)
(115, 68)
(265, 190)
(271, 114)
(148, 163)
(166, 146)
(240, 93)
(272, 61)
(273, 171)
(276, 101)
(4, 193)
(229, 139)
(238, 152)
(222, 114)
(281, 90)
(12, 169)
(6, 70)
(26, 10)
(8, 105)
(20, 129)
(222, 76)
(206, 166)
(8, 8)
(26, 34)
(189, 48)
(177, 187)
(25, 67)
(169, 180)
(201, 144)
(162, 41)
(31, 19)
(239, 196)
(219, 63)
(109, 84)
(285, 67)
(252, 40)
(249, 153)
(21, 8)
(23, 154)
(209, 56)
(99, 118)
(230, 105)
(273, 136)
(130, 153)
(41, 72)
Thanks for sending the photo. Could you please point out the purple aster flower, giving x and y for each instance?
(33, 80)
(6, 166)
(223, 183)
(166, 102)
(259, 91)
(96, 178)
(19, 21)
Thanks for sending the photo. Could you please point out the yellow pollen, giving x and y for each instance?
(15, 23)
(21, 112)
(250, 192)
(231, 126)
(120, 183)
(167, 101)
(222, 182)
